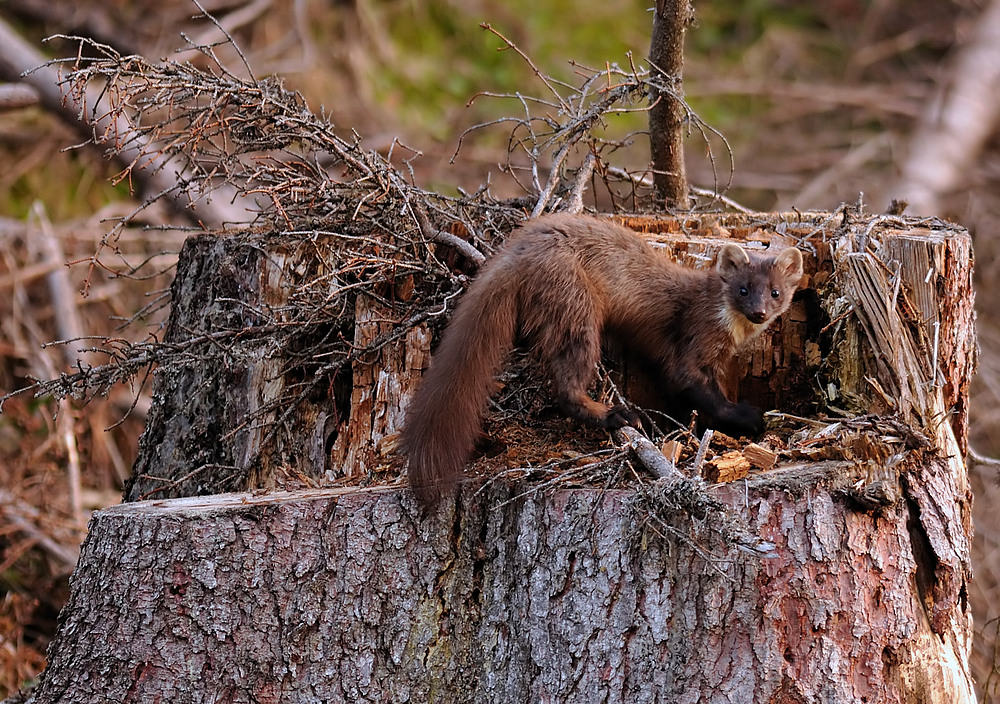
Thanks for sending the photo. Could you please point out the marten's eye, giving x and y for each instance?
(775, 293)
(744, 292)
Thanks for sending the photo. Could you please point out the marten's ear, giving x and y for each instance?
(789, 263)
(731, 259)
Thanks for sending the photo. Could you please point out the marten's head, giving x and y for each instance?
(759, 288)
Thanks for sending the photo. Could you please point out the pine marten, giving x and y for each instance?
(558, 285)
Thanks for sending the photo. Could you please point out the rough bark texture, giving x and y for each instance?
(228, 417)
(194, 442)
(349, 596)
(667, 114)
(563, 596)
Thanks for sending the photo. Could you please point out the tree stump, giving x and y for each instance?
(519, 594)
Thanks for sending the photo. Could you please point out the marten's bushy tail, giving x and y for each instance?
(445, 416)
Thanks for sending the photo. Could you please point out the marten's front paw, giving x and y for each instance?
(747, 420)
(619, 416)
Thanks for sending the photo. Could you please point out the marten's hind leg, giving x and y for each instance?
(572, 355)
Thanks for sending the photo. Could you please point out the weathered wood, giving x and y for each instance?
(195, 435)
(570, 595)
(383, 382)
(760, 456)
(349, 596)
(227, 415)
(728, 467)
(672, 449)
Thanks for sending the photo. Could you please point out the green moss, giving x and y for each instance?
(69, 183)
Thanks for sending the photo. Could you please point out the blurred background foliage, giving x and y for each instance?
(816, 100)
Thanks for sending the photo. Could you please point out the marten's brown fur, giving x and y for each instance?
(558, 285)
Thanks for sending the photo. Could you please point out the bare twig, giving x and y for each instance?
(222, 29)
(647, 452)
(25, 518)
(549, 83)
(575, 202)
(561, 141)
(68, 326)
(432, 233)
(20, 60)
(699, 458)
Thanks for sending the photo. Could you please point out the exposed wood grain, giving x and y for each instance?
(730, 466)
(760, 456)
(382, 382)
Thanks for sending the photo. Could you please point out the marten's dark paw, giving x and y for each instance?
(740, 420)
(619, 416)
(747, 420)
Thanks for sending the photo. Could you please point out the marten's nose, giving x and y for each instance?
(758, 316)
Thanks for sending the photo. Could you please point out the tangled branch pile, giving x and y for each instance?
(356, 220)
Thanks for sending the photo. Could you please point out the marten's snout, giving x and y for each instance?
(757, 316)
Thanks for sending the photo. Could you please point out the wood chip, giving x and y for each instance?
(760, 456)
(727, 467)
(672, 449)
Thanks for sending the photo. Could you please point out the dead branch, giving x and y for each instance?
(68, 326)
(559, 142)
(902, 99)
(14, 96)
(651, 457)
(219, 33)
(674, 490)
(956, 124)
(20, 61)
(435, 235)
(26, 519)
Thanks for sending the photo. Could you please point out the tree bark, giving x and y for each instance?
(516, 594)
(349, 596)
(667, 114)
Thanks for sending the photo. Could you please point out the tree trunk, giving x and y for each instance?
(667, 114)
(349, 596)
(520, 594)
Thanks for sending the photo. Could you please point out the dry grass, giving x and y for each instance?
(58, 459)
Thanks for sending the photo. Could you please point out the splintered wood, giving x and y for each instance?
(884, 309)
(760, 456)
(727, 467)
(672, 449)
(726, 459)
(382, 383)
(911, 294)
